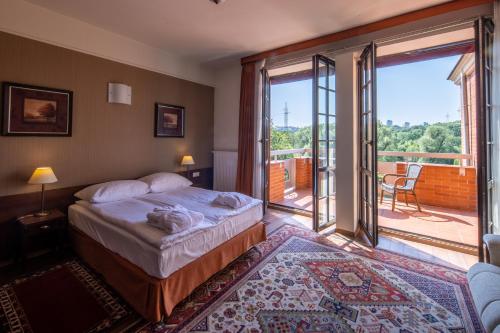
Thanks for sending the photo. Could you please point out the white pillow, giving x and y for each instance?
(165, 181)
(113, 191)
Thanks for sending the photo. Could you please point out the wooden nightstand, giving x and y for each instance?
(29, 227)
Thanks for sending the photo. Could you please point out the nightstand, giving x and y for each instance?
(30, 227)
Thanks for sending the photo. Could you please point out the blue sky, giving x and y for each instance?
(417, 92)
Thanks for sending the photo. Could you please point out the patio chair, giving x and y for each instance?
(403, 183)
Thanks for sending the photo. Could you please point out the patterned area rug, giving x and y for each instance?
(65, 298)
(298, 281)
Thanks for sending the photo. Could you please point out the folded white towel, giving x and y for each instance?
(232, 199)
(174, 219)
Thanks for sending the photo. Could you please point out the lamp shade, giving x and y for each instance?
(187, 160)
(42, 175)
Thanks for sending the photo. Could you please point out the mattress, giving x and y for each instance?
(156, 262)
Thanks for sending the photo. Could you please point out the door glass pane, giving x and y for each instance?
(331, 103)
(369, 219)
(322, 154)
(331, 154)
(322, 101)
(322, 74)
(369, 134)
(331, 127)
(323, 211)
(369, 188)
(322, 127)
(369, 158)
(331, 79)
(322, 184)
(332, 211)
(363, 156)
(331, 183)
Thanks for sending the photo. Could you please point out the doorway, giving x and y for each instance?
(427, 108)
(299, 135)
(439, 167)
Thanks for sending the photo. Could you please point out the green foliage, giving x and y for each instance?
(435, 138)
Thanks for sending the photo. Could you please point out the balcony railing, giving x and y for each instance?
(462, 158)
(442, 185)
(284, 152)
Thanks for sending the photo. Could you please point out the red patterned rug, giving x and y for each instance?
(298, 281)
(65, 298)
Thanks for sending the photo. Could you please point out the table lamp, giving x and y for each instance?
(187, 160)
(42, 175)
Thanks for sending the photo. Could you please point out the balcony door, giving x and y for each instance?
(367, 127)
(266, 136)
(323, 142)
(486, 182)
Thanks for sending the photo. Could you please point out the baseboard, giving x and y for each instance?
(348, 233)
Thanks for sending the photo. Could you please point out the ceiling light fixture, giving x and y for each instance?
(217, 1)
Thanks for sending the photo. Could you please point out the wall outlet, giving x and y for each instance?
(196, 174)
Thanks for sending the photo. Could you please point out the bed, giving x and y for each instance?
(153, 273)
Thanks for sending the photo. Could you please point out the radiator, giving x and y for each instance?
(225, 165)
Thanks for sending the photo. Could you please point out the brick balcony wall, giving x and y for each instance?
(303, 177)
(444, 186)
(277, 181)
(303, 173)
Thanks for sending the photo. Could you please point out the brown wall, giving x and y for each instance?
(110, 141)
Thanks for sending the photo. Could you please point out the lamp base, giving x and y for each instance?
(42, 213)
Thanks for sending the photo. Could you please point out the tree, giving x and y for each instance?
(439, 138)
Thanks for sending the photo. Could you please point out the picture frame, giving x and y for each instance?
(169, 121)
(36, 111)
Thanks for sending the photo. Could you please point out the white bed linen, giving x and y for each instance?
(131, 214)
(156, 262)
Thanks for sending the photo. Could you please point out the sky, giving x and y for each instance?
(417, 93)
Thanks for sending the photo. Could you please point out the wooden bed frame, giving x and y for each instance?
(151, 297)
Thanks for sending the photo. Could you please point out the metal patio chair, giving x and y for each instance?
(404, 183)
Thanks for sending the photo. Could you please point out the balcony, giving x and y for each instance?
(447, 193)
(290, 181)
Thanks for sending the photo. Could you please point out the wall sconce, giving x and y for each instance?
(119, 93)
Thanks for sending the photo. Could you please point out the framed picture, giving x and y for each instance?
(169, 121)
(36, 111)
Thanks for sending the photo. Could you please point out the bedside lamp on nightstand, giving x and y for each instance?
(43, 175)
(187, 160)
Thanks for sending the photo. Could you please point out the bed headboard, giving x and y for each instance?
(13, 206)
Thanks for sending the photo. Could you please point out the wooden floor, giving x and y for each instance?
(275, 218)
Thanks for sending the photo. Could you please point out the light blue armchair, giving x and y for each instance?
(484, 283)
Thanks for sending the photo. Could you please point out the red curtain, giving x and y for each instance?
(246, 133)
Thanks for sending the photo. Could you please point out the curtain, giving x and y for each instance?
(246, 131)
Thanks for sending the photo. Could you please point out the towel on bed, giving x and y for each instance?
(174, 219)
(232, 199)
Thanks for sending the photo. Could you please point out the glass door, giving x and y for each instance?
(484, 62)
(266, 134)
(323, 142)
(367, 145)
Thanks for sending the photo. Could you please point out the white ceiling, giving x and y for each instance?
(205, 32)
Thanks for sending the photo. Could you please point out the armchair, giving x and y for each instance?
(484, 284)
(404, 183)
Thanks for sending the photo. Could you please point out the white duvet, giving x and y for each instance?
(131, 214)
